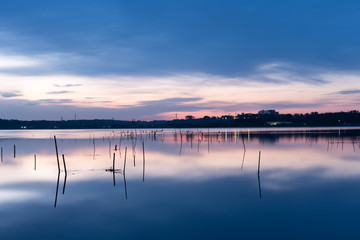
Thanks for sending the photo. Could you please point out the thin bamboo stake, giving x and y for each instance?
(259, 163)
(109, 149)
(125, 160)
(63, 157)
(57, 154)
(114, 162)
(114, 168)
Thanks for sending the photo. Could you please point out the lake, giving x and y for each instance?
(289, 183)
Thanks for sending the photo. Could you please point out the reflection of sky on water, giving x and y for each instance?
(193, 188)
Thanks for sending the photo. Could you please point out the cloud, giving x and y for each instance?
(10, 94)
(126, 52)
(355, 91)
(251, 106)
(68, 85)
(50, 109)
(228, 39)
(15, 62)
(170, 101)
(59, 92)
(156, 108)
(286, 72)
(51, 101)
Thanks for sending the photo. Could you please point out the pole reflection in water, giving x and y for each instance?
(143, 147)
(113, 170)
(258, 176)
(63, 192)
(221, 137)
(243, 159)
(124, 174)
(57, 189)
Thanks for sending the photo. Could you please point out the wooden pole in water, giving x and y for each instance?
(63, 157)
(14, 151)
(259, 163)
(1, 154)
(57, 154)
(114, 169)
(114, 162)
(34, 162)
(143, 161)
(125, 159)
(110, 149)
(94, 147)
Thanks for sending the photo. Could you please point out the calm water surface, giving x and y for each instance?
(181, 184)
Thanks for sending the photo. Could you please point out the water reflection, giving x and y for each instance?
(212, 179)
(57, 189)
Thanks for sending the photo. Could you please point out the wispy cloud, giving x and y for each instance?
(18, 61)
(251, 106)
(59, 92)
(286, 72)
(170, 101)
(10, 94)
(68, 85)
(55, 108)
(51, 101)
(345, 92)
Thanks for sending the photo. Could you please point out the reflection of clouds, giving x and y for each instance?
(282, 179)
(17, 196)
(288, 159)
(351, 158)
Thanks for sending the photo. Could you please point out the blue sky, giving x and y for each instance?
(58, 58)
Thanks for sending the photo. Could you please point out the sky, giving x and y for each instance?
(158, 59)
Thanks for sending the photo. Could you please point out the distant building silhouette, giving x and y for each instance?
(227, 117)
(270, 112)
(189, 117)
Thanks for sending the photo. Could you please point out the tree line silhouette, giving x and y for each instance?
(313, 119)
